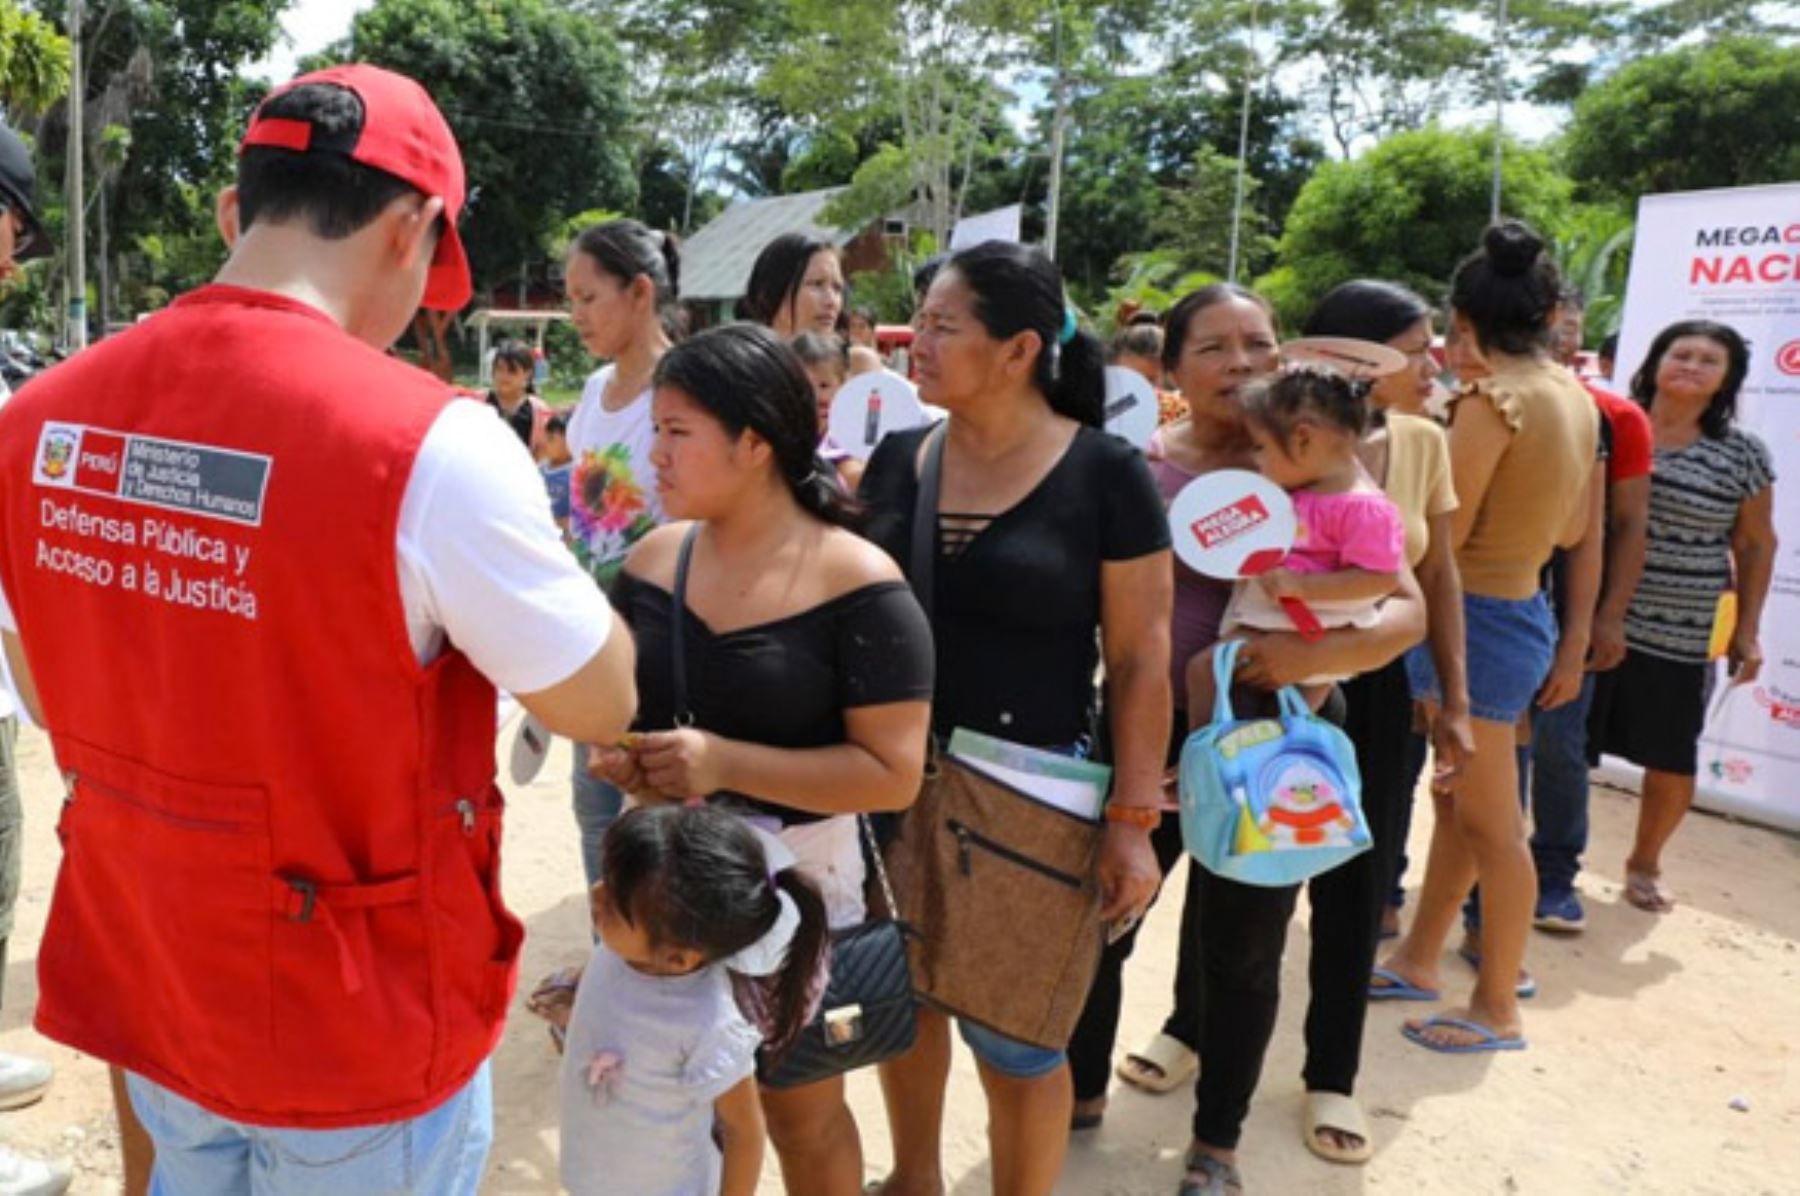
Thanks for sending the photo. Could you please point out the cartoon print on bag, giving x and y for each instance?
(1304, 811)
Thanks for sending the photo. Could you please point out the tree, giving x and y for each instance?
(1651, 27)
(932, 65)
(537, 97)
(1407, 210)
(1194, 225)
(1133, 141)
(1593, 253)
(695, 66)
(1720, 115)
(165, 105)
(34, 62)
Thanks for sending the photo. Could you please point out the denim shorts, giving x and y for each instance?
(1511, 643)
(1008, 1056)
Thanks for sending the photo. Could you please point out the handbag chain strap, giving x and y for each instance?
(881, 872)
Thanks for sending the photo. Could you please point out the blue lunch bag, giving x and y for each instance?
(1270, 801)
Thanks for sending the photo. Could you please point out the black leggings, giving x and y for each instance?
(1243, 929)
(1091, 1049)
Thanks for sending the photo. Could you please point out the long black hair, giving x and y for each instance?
(1017, 289)
(1508, 290)
(697, 878)
(1367, 309)
(777, 276)
(1181, 317)
(1719, 415)
(627, 248)
(747, 377)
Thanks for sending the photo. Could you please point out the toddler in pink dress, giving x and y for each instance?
(1350, 545)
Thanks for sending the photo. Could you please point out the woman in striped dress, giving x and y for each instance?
(1712, 501)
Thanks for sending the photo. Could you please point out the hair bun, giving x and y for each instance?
(1512, 248)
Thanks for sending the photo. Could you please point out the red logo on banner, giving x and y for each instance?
(1787, 358)
(100, 461)
(1230, 522)
(1787, 713)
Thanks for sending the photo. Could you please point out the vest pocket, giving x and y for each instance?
(478, 938)
(157, 955)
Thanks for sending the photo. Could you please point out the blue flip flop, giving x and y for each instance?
(1397, 987)
(1486, 1040)
(1526, 989)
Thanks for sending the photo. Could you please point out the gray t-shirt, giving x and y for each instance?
(680, 1043)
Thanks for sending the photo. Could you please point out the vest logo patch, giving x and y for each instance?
(56, 455)
(196, 479)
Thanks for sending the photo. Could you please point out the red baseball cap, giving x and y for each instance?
(404, 134)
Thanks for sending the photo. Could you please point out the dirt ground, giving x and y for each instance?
(1662, 1055)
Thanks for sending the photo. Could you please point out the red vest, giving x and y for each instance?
(280, 888)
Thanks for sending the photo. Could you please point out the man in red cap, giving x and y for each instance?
(260, 581)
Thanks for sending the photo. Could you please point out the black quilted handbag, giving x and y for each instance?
(868, 1013)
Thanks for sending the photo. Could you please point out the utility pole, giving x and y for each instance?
(77, 196)
(1058, 125)
(1499, 101)
(1237, 205)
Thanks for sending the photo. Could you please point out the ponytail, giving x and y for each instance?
(1017, 289)
(787, 998)
(1077, 384)
(821, 494)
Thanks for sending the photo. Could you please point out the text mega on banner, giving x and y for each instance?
(1734, 256)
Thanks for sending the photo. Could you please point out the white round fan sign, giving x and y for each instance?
(1226, 519)
(868, 407)
(1132, 411)
(531, 747)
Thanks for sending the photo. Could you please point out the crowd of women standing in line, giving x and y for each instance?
(810, 678)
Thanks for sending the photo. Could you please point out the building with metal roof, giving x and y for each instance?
(716, 261)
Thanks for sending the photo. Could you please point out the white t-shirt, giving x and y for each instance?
(671, 1046)
(612, 491)
(482, 564)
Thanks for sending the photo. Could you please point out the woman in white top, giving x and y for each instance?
(622, 280)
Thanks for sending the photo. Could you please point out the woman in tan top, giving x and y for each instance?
(1522, 443)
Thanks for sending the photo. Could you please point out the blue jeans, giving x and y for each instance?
(440, 1153)
(597, 806)
(1558, 784)
(1553, 785)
